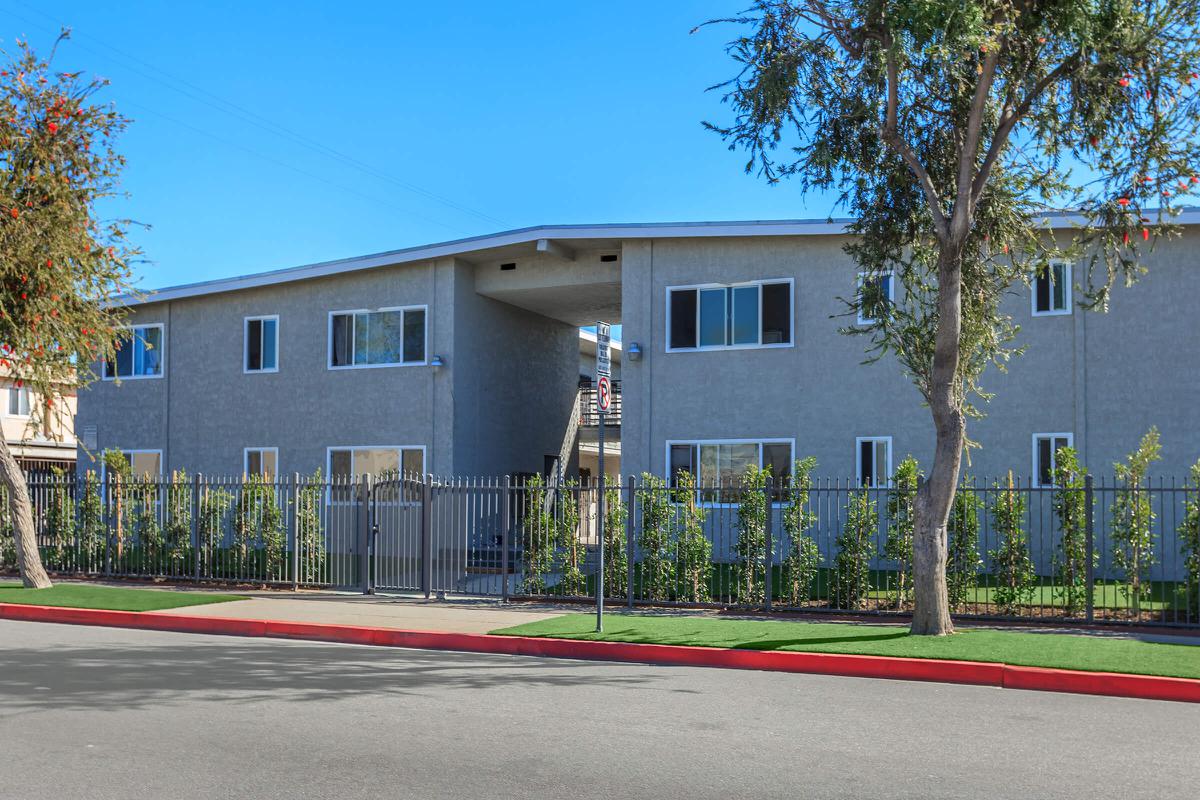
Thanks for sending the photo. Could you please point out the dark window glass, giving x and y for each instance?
(683, 318)
(1045, 461)
(713, 317)
(1042, 288)
(1060, 289)
(269, 343)
(414, 335)
(745, 315)
(125, 356)
(866, 468)
(254, 345)
(779, 458)
(683, 457)
(343, 340)
(776, 313)
(340, 462)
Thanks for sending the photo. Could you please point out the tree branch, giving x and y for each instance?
(891, 137)
(970, 148)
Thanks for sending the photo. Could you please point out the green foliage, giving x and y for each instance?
(1011, 563)
(8, 546)
(573, 582)
(963, 561)
(143, 493)
(803, 557)
(693, 547)
(656, 545)
(60, 518)
(616, 561)
(1133, 518)
(93, 528)
(259, 528)
(901, 517)
(215, 503)
(177, 531)
(851, 581)
(750, 549)
(539, 534)
(1189, 544)
(1070, 508)
(310, 534)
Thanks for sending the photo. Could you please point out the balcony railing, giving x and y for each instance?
(589, 414)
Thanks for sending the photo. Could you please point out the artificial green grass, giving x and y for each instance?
(1059, 651)
(111, 598)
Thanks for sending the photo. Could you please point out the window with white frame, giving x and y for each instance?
(1052, 290)
(873, 460)
(384, 338)
(262, 461)
(139, 353)
(262, 344)
(354, 461)
(722, 463)
(876, 291)
(18, 401)
(1045, 455)
(143, 463)
(714, 316)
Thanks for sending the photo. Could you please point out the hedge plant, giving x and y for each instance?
(851, 583)
(803, 559)
(901, 515)
(1011, 562)
(692, 546)
(1133, 518)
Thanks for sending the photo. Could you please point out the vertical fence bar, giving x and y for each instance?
(427, 536)
(294, 529)
(630, 510)
(768, 555)
(195, 532)
(505, 536)
(364, 533)
(1089, 548)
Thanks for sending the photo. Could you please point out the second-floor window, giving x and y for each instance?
(711, 317)
(876, 292)
(139, 354)
(874, 460)
(1052, 290)
(262, 344)
(18, 401)
(384, 338)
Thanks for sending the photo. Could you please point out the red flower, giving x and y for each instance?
(1124, 81)
(50, 263)
(1125, 237)
(53, 127)
(14, 213)
(1123, 201)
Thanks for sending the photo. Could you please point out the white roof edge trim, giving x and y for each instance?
(634, 230)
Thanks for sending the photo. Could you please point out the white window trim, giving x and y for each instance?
(162, 357)
(1036, 478)
(891, 275)
(697, 443)
(246, 343)
(791, 282)
(1069, 277)
(123, 450)
(246, 458)
(28, 401)
(399, 448)
(858, 443)
(329, 336)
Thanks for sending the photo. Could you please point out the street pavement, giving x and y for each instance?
(107, 713)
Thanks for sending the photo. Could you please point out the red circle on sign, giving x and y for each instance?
(603, 393)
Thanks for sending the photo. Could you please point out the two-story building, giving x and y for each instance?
(463, 358)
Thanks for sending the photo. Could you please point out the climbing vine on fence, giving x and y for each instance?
(803, 557)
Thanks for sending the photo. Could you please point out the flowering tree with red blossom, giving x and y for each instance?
(61, 264)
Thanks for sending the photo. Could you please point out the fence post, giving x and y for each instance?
(1090, 547)
(629, 526)
(295, 530)
(505, 537)
(196, 527)
(109, 524)
(364, 533)
(769, 557)
(427, 536)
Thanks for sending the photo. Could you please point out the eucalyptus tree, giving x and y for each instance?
(952, 131)
(61, 261)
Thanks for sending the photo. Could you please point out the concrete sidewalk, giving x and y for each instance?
(377, 611)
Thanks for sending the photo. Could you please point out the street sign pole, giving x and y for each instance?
(603, 393)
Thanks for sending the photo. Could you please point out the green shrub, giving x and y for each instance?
(538, 532)
(93, 528)
(1011, 563)
(259, 531)
(898, 546)
(616, 560)
(851, 583)
(750, 549)
(1133, 520)
(1189, 543)
(573, 582)
(655, 542)
(693, 547)
(60, 520)
(963, 561)
(803, 558)
(1070, 509)
(310, 535)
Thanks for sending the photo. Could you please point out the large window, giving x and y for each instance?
(262, 344)
(385, 338)
(710, 317)
(722, 463)
(876, 292)
(18, 401)
(262, 461)
(139, 354)
(355, 461)
(1052, 290)
(874, 460)
(1045, 455)
(143, 463)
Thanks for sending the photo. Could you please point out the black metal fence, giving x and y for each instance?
(1101, 552)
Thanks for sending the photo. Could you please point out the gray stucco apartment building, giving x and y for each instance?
(463, 359)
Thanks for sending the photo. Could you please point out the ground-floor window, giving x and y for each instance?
(143, 463)
(355, 461)
(262, 461)
(1045, 455)
(722, 463)
(873, 460)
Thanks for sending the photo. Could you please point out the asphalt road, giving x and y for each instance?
(102, 713)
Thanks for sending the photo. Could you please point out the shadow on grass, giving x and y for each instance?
(802, 642)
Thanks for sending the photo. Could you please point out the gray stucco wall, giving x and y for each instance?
(1104, 377)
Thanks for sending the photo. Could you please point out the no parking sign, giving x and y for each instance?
(603, 393)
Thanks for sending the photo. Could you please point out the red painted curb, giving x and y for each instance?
(976, 673)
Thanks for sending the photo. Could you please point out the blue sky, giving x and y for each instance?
(268, 134)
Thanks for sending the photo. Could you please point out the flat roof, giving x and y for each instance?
(603, 231)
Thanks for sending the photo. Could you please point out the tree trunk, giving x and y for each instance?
(935, 498)
(29, 561)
